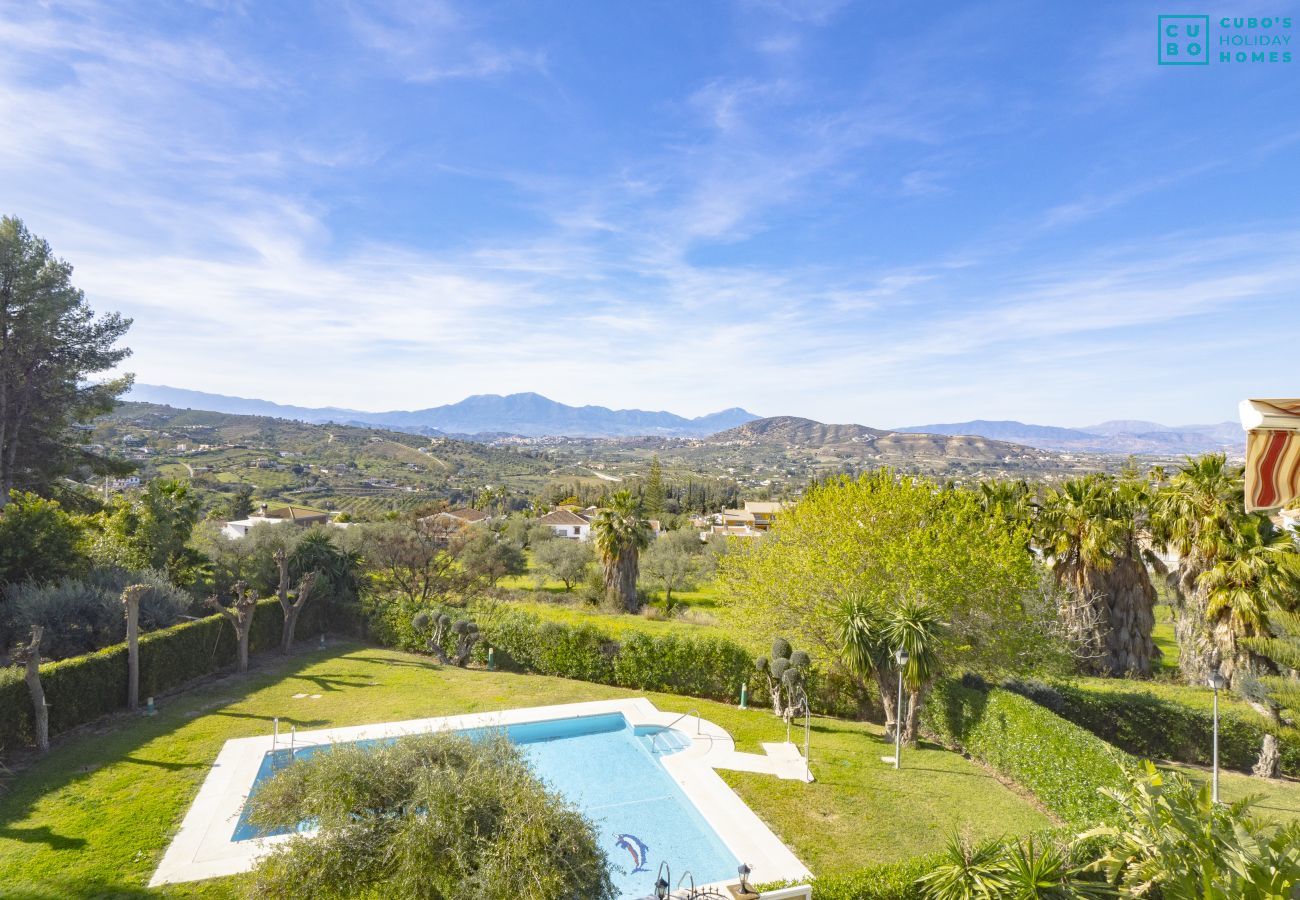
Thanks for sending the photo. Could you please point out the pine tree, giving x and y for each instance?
(51, 344)
(654, 489)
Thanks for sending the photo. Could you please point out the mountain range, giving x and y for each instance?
(532, 415)
(1118, 436)
(528, 414)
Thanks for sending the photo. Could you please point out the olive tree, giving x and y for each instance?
(438, 816)
(566, 561)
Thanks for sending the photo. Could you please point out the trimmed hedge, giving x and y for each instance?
(687, 664)
(891, 881)
(1157, 728)
(1063, 765)
(86, 687)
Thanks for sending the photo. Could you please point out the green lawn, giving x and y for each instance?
(1189, 695)
(1163, 635)
(615, 624)
(93, 817)
(1277, 799)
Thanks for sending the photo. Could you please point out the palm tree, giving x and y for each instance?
(1009, 501)
(621, 533)
(1195, 515)
(1088, 528)
(914, 625)
(870, 635)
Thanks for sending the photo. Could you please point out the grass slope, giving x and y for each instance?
(93, 817)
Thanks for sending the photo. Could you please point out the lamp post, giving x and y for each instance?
(901, 658)
(1217, 682)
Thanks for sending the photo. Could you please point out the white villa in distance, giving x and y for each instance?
(576, 525)
(755, 519)
(293, 515)
(567, 524)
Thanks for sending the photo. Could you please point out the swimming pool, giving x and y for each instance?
(650, 790)
(611, 771)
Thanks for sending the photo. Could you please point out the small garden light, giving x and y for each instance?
(743, 870)
(1218, 683)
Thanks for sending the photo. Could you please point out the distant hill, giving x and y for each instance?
(527, 414)
(1120, 436)
(874, 445)
(1015, 432)
(364, 471)
(794, 430)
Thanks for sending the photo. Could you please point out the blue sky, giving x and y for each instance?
(886, 213)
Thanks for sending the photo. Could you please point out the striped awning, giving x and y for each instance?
(1272, 453)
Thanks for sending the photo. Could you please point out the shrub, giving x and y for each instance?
(1154, 727)
(1172, 836)
(440, 816)
(696, 666)
(1063, 765)
(84, 614)
(890, 881)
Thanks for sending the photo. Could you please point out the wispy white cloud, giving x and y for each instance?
(633, 282)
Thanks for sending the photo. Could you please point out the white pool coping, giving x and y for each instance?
(202, 847)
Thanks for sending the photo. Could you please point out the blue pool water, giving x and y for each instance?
(611, 772)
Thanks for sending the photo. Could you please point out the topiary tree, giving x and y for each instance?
(438, 816)
(786, 673)
(438, 626)
(467, 635)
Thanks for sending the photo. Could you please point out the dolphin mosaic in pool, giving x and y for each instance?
(637, 849)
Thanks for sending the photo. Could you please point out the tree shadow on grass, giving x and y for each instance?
(285, 721)
(430, 665)
(333, 682)
(81, 890)
(158, 763)
(85, 751)
(43, 835)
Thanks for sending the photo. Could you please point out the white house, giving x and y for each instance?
(566, 524)
(292, 515)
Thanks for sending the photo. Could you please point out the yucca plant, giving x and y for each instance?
(1023, 869)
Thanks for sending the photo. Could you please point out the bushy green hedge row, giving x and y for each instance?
(688, 664)
(1063, 765)
(1157, 728)
(85, 687)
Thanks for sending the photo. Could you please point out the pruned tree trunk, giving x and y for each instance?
(40, 711)
(131, 600)
(912, 724)
(887, 682)
(1269, 764)
(240, 616)
(291, 610)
